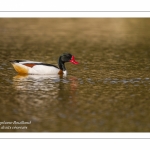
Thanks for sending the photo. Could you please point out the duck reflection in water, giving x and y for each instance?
(41, 98)
(58, 86)
(36, 82)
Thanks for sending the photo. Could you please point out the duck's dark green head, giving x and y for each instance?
(67, 57)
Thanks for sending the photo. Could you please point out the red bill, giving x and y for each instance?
(73, 60)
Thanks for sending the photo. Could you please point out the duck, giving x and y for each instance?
(33, 67)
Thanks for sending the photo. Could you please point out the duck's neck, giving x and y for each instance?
(61, 65)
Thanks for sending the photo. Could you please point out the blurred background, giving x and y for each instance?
(109, 91)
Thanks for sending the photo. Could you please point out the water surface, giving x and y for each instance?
(109, 91)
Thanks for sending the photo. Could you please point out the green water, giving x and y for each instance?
(109, 91)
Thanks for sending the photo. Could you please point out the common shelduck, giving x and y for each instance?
(32, 67)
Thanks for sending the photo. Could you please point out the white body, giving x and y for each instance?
(40, 69)
(21, 67)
